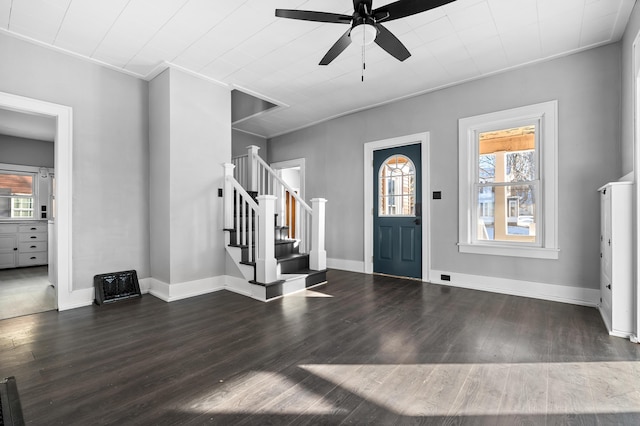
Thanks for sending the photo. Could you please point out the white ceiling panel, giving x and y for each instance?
(86, 23)
(242, 43)
(38, 19)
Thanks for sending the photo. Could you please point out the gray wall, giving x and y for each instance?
(190, 131)
(241, 140)
(110, 153)
(587, 87)
(159, 177)
(26, 152)
(627, 89)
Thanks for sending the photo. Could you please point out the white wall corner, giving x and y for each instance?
(77, 299)
(552, 292)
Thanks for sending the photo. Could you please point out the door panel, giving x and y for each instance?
(397, 207)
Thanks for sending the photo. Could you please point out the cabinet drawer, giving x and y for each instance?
(27, 259)
(32, 228)
(8, 228)
(33, 236)
(33, 247)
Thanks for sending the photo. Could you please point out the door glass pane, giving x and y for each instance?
(397, 187)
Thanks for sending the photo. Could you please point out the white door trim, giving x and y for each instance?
(636, 169)
(289, 164)
(63, 170)
(369, 148)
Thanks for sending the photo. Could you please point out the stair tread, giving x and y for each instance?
(277, 242)
(291, 256)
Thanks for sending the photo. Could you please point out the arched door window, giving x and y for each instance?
(397, 187)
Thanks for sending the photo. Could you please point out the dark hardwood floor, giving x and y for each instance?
(361, 349)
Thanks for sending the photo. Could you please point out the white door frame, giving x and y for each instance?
(289, 164)
(636, 168)
(63, 116)
(369, 148)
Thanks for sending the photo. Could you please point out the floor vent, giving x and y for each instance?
(116, 286)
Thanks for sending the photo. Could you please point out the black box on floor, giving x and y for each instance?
(116, 286)
(10, 408)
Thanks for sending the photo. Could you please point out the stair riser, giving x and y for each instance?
(290, 266)
(279, 234)
(282, 249)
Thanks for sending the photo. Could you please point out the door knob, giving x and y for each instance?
(417, 221)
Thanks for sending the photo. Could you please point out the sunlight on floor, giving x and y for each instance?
(420, 390)
(492, 389)
(268, 393)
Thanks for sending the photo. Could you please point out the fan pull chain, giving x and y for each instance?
(364, 65)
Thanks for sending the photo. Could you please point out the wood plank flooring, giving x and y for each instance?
(361, 349)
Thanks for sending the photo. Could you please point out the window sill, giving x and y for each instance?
(510, 250)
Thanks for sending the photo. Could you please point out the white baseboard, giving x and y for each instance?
(178, 291)
(346, 265)
(552, 292)
(77, 299)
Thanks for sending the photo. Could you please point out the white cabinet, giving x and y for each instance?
(23, 244)
(616, 246)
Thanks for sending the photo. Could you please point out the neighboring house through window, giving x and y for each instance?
(17, 195)
(508, 182)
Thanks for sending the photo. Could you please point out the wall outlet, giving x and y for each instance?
(219, 192)
(437, 195)
(445, 277)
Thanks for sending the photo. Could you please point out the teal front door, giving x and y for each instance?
(397, 212)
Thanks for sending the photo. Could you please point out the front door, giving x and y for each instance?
(397, 212)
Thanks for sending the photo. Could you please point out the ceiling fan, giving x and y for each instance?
(366, 24)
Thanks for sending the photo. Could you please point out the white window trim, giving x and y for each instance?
(547, 115)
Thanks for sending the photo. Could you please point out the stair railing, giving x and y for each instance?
(253, 223)
(310, 221)
(241, 172)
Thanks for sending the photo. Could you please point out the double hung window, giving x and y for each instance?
(508, 181)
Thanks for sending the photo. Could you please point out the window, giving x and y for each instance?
(17, 195)
(397, 187)
(508, 173)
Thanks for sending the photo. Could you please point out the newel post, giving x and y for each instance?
(266, 265)
(317, 255)
(228, 196)
(252, 168)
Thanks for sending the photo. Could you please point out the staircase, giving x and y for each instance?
(273, 261)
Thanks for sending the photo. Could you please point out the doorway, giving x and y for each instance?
(292, 173)
(372, 207)
(62, 261)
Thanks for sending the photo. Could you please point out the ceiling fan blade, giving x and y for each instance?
(391, 44)
(342, 43)
(309, 15)
(402, 8)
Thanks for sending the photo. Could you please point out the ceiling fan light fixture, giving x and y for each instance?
(363, 34)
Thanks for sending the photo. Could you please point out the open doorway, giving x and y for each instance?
(58, 232)
(292, 173)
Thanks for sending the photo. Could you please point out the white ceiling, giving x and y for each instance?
(242, 44)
